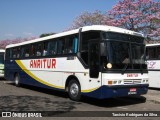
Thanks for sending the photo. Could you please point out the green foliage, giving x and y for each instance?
(46, 34)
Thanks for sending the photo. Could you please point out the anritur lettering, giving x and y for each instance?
(43, 63)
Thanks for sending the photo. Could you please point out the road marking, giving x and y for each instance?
(8, 82)
(122, 108)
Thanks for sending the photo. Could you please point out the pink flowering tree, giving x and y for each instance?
(4, 43)
(137, 15)
(86, 19)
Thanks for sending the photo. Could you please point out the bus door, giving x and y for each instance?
(94, 62)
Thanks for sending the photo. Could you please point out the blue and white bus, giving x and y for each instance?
(2, 51)
(97, 61)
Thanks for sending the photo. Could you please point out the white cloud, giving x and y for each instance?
(28, 33)
(9, 35)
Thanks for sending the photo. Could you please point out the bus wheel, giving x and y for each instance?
(17, 80)
(74, 90)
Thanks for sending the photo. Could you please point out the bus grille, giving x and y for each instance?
(130, 81)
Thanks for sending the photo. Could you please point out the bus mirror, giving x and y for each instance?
(102, 49)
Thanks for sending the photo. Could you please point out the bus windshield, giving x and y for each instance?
(1, 58)
(124, 51)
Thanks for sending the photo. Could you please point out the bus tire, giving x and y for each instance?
(74, 90)
(17, 80)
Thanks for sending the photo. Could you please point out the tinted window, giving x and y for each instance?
(52, 48)
(14, 52)
(1, 58)
(86, 37)
(122, 37)
(61, 47)
(158, 52)
(39, 49)
(153, 52)
(7, 53)
(25, 51)
(72, 44)
(18, 52)
(45, 46)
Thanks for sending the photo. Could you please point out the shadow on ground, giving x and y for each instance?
(34, 103)
(42, 103)
(2, 79)
(115, 102)
(151, 88)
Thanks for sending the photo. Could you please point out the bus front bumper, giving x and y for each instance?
(118, 91)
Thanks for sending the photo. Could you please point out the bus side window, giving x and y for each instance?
(151, 53)
(22, 52)
(32, 50)
(10, 53)
(52, 48)
(69, 46)
(25, 51)
(14, 53)
(72, 43)
(61, 47)
(86, 37)
(7, 54)
(18, 52)
(75, 47)
(39, 49)
(158, 52)
(45, 48)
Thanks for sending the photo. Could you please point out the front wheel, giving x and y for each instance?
(17, 80)
(74, 90)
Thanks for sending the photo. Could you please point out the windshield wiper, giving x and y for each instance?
(125, 68)
(141, 68)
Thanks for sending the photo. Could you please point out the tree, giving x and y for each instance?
(137, 15)
(46, 34)
(4, 43)
(86, 19)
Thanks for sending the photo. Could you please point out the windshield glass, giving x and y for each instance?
(118, 54)
(124, 51)
(138, 54)
(1, 58)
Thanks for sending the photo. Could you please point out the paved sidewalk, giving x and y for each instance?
(153, 95)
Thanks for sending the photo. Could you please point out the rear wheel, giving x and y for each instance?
(17, 80)
(74, 90)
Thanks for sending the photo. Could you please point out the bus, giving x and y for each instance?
(96, 61)
(2, 51)
(153, 60)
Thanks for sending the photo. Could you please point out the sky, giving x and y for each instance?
(31, 18)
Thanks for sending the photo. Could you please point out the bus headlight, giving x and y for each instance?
(109, 65)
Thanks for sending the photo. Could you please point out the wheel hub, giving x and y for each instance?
(74, 89)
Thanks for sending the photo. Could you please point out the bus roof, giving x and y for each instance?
(86, 28)
(150, 45)
(2, 50)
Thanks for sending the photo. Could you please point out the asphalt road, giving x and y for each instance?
(28, 98)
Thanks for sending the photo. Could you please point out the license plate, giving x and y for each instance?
(132, 91)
